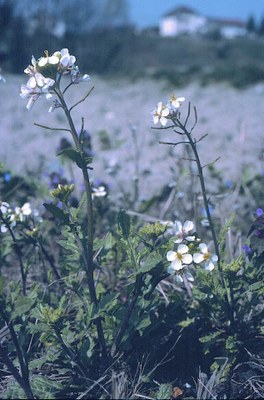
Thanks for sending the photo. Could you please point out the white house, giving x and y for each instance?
(228, 28)
(181, 20)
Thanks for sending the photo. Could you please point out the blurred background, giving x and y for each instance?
(177, 40)
(138, 52)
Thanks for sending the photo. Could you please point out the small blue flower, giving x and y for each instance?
(259, 212)
(7, 177)
(247, 249)
(259, 233)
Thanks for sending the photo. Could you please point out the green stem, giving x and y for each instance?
(209, 217)
(18, 253)
(204, 194)
(24, 379)
(88, 255)
(73, 357)
(130, 308)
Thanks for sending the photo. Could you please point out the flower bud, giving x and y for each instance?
(62, 192)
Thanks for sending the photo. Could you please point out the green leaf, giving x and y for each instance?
(186, 322)
(144, 323)
(22, 305)
(165, 391)
(107, 303)
(210, 337)
(44, 387)
(123, 221)
(76, 156)
(57, 212)
(150, 262)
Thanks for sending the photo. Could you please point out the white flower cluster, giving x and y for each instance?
(10, 217)
(188, 252)
(46, 72)
(163, 111)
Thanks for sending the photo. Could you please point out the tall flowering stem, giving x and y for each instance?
(192, 143)
(171, 113)
(45, 75)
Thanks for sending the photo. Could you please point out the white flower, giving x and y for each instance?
(160, 114)
(8, 215)
(36, 85)
(178, 258)
(49, 60)
(175, 102)
(181, 231)
(209, 258)
(21, 212)
(4, 207)
(99, 192)
(66, 61)
(85, 78)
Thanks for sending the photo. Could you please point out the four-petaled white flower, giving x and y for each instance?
(175, 102)
(179, 258)
(160, 114)
(205, 256)
(181, 231)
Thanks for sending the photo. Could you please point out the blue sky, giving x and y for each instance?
(147, 12)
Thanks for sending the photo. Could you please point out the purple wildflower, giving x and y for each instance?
(247, 249)
(259, 212)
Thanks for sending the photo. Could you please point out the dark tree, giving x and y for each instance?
(261, 27)
(251, 25)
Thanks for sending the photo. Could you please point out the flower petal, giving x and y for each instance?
(188, 226)
(209, 265)
(203, 248)
(171, 255)
(182, 248)
(178, 226)
(198, 258)
(177, 264)
(187, 258)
